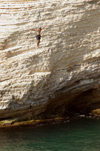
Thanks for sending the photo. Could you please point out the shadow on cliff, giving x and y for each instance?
(64, 103)
(82, 102)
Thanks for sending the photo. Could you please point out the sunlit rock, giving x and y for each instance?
(62, 77)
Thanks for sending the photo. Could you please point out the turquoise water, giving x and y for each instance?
(81, 135)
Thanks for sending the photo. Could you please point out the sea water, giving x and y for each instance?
(79, 135)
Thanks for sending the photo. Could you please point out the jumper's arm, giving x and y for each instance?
(34, 29)
(43, 27)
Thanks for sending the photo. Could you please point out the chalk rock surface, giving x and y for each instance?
(61, 77)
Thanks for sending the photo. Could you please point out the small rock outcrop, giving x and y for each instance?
(60, 78)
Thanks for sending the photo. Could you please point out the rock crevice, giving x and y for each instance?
(62, 76)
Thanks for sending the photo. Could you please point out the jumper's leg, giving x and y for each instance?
(38, 42)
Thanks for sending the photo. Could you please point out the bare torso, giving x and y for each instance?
(39, 31)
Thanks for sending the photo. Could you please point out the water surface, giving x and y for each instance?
(81, 135)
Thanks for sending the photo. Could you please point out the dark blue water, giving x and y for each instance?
(82, 135)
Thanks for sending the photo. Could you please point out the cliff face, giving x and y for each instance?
(62, 76)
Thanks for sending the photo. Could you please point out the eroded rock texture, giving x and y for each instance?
(62, 76)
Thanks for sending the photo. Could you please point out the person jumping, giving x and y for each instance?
(38, 36)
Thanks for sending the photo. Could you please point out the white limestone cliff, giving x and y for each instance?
(66, 67)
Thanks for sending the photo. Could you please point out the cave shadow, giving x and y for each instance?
(85, 20)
